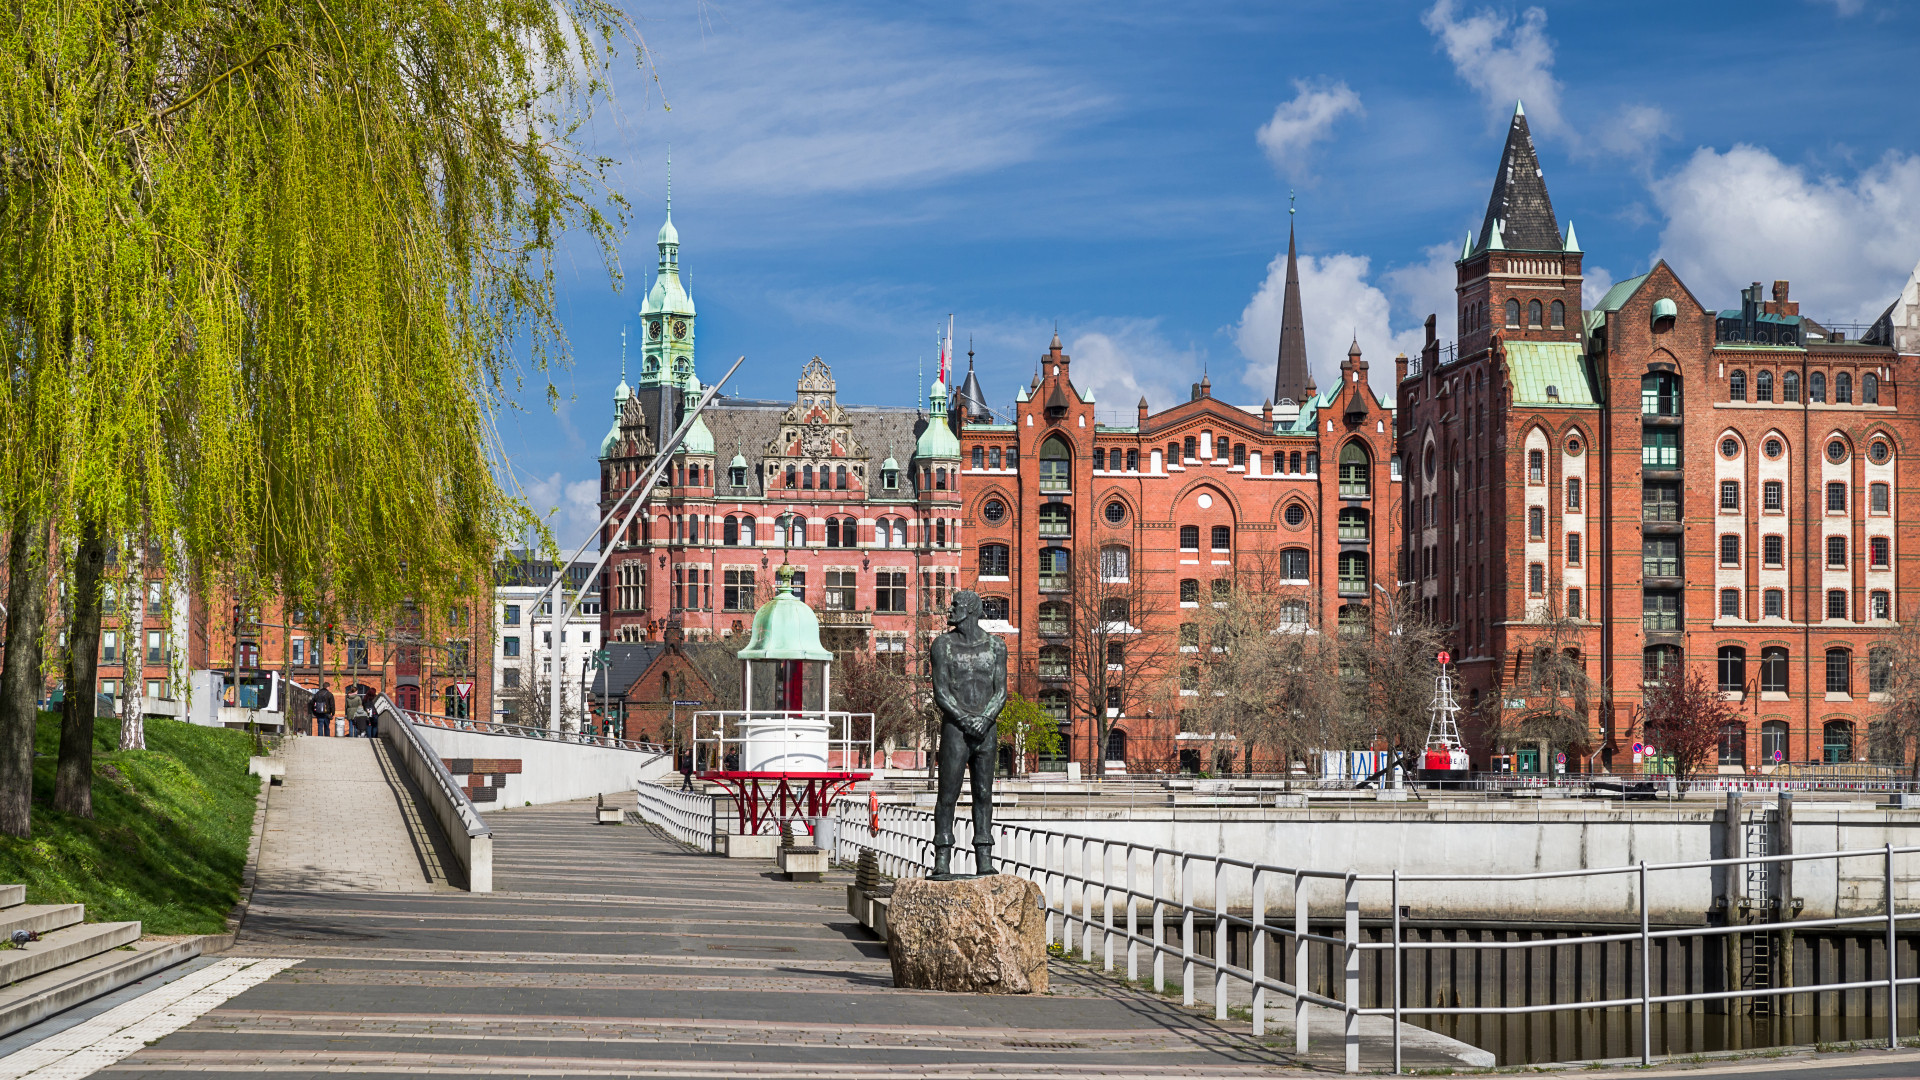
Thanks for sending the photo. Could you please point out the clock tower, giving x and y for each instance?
(666, 317)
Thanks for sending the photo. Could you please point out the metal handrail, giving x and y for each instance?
(462, 802)
(1045, 856)
(521, 731)
(684, 815)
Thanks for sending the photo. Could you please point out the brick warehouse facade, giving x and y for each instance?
(1672, 482)
(864, 502)
(1184, 497)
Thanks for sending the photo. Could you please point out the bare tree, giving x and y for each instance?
(1683, 716)
(1117, 658)
(1389, 661)
(1547, 695)
(888, 685)
(1260, 673)
(1894, 735)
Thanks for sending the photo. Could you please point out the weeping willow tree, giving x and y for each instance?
(263, 266)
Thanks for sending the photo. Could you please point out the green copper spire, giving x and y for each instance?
(667, 314)
(938, 440)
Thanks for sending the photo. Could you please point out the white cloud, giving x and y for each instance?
(1743, 215)
(571, 508)
(1338, 305)
(774, 101)
(1634, 132)
(1503, 59)
(1125, 359)
(1848, 7)
(1307, 119)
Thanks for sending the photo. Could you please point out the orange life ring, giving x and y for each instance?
(873, 812)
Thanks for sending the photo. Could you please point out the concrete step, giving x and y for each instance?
(12, 894)
(63, 947)
(43, 918)
(34, 999)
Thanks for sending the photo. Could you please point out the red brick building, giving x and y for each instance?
(1306, 490)
(1685, 485)
(863, 501)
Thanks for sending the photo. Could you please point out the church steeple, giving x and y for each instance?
(1291, 379)
(1519, 213)
(667, 314)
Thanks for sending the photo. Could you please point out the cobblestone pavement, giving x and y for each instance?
(342, 822)
(611, 952)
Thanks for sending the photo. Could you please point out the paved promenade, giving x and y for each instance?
(342, 822)
(609, 951)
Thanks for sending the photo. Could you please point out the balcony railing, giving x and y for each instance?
(1353, 532)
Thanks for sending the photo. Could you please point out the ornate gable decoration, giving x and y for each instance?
(635, 439)
(816, 428)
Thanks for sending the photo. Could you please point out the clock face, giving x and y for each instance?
(679, 328)
(653, 330)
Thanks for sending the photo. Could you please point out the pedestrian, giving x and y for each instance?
(356, 713)
(322, 709)
(686, 770)
(370, 698)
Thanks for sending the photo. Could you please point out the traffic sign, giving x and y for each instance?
(1778, 757)
(1559, 759)
(1445, 659)
(1639, 748)
(688, 704)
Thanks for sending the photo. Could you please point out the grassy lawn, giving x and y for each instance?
(169, 834)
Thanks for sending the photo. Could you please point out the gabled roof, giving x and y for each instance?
(1519, 209)
(1621, 292)
(627, 661)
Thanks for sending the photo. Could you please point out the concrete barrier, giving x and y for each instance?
(471, 838)
(512, 770)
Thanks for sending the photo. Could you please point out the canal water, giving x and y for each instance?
(1589, 1034)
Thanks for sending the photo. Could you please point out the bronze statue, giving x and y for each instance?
(969, 687)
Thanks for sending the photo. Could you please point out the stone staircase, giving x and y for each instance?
(73, 961)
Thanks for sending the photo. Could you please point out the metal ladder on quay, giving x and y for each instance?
(1756, 950)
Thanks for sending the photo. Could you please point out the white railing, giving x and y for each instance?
(745, 734)
(683, 815)
(521, 731)
(1087, 881)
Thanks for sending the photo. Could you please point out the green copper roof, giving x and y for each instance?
(699, 440)
(1618, 295)
(938, 440)
(1537, 365)
(785, 628)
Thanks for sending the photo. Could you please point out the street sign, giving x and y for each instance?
(464, 689)
(1559, 759)
(1445, 659)
(1778, 757)
(1639, 748)
(688, 704)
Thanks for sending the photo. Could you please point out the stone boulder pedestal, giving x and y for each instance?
(982, 935)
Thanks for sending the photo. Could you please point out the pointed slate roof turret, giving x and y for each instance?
(1519, 211)
(969, 401)
(1290, 378)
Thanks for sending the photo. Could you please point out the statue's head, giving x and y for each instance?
(965, 607)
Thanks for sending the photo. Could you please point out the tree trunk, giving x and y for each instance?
(20, 671)
(73, 777)
(133, 704)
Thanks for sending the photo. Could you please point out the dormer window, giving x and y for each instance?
(738, 475)
(890, 479)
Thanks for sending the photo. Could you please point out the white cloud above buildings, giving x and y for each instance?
(1742, 215)
(1503, 58)
(1339, 304)
(1309, 117)
(571, 508)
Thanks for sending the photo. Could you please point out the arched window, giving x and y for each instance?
(1879, 669)
(1313, 463)
(1869, 389)
(730, 531)
(1054, 661)
(1353, 472)
(1843, 388)
(1559, 315)
(1189, 538)
(899, 532)
(1055, 568)
(1733, 744)
(993, 457)
(1352, 523)
(1056, 464)
(1660, 394)
(1763, 386)
(1189, 590)
(1053, 618)
(940, 532)
(1513, 314)
(1240, 454)
(1054, 703)
(1836, 742)
(979, 457)
(1659, 663)
(1817, 386)
(1839, 671)
(788, 531)
(1773, 742)
(746, 531)
(1737, 385)
(1354, 619)
(806, 477)
(1100, 459)
(1133, 461)
(1533, 314)
(1789, 386)
(840, 478)
(1295, 564)
(1116, 745)
(1773, 669)
(1353, 572)
(1114, 611)
(1055, 520)
(1733, 669)
(793, 476)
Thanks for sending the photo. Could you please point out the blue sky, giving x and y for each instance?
(847, 174)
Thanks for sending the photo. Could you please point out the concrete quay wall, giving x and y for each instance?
(1482, 838)
(505, 770)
